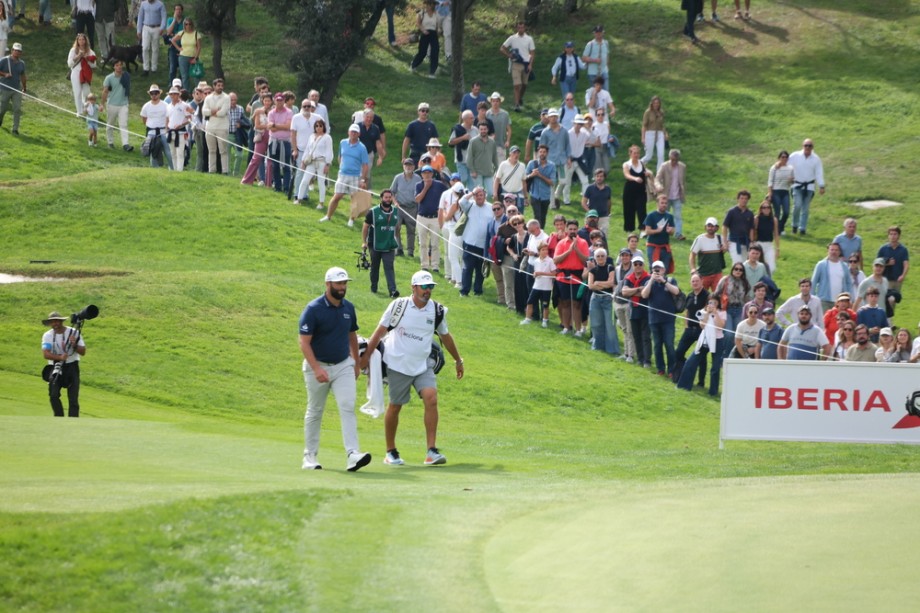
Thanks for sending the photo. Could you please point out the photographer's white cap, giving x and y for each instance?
(336, 275)
(657, 264)
(423, 277)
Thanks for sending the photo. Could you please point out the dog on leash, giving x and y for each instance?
(128, 54)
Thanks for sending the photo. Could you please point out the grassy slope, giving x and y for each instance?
(197, 332)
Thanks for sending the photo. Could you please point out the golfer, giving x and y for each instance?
(412, 323)
(328, 340)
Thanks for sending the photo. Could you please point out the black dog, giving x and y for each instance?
(128, 55)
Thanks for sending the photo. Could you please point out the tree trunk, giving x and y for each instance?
(458, 12)
(570, 6)
(217, 55)
(121, 13)
(532, 12)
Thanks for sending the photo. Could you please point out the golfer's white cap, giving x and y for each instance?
(336, 274)
(423, 277)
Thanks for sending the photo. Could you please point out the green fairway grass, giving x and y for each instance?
(573, 481)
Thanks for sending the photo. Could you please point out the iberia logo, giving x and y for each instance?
(912, 419)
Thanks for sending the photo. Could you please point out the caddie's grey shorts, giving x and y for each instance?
(400, 384)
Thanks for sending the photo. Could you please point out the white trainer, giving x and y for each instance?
(310, 462)
(351, 223)
(356, 460)
(323, 219)
(434, 457)
(392, 458)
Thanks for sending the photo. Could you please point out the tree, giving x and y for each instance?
(217, 18)
(458, 12)
(326, 37)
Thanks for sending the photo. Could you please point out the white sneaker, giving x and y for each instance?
(392, 458)
(320, 207)
(434, 458)
(310, 463)
(578, 334)
(323, 219)
(565, 331)
(545, 323)
(351, 223)
(526, 321)
(356, 460)
(629, 360)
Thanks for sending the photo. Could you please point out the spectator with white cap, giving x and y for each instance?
(412, 322)
(329, 343)
(12, 85)
(353, 168)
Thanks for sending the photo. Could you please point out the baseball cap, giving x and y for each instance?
(768, 311)
(426, 168)
(543, 112)
(598, 28)
(514, 148)
(354, 128)
(804, 307)
(591, 213)
(712, 221)
(408, 162)
(510, 196)
(657, 264)
(455, 176)
(638, 258)
(625, 251)
(878, 262)
(552, 113)
(336, 274)
(569, 45)
(17, 46)
(886, 331)
(423, 106)
(423, 277)
(176, 83)
(277, 96)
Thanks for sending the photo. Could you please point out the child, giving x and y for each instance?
(91, 110)
(544, 271)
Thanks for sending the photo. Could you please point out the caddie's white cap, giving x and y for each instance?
(423, 277)
(336, 274)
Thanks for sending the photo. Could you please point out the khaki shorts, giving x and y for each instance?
(401, 385)
(517, 74)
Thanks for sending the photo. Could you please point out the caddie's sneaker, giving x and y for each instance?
(310, 463)
(392, 458)
(434, 458)
(356, 460)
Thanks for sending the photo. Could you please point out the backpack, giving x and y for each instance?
(436, 356)
(680, 300)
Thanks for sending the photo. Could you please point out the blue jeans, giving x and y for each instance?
(663, 339)
(472, 265)
(391, 33)
(665, 258)
(184, 63)
(603, 328)
(802, 200)
(174, 64)
(280, 154)
(155, 162)
(688, 341)
(44, 10)
(464, 171)
(677, 207)
(567, 85)
(483, 182)
(686, 376)
(734, 316)
(780, 202)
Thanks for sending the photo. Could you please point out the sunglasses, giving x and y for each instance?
(518, 223)
(423, 110)
(637, 263)
(808, 146)
(737, 270)
(854, 261)
(496, 208)
(428, 286)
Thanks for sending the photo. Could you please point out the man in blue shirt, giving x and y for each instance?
(329, 343)
(354, 164)
(660, 291)
(471, 100)
(541, 177)
(769, 336)
(559, 148)
(597, 198)
(418, 134)
(428, 196)
(896, 259)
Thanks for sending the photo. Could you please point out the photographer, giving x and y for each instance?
(62, 346)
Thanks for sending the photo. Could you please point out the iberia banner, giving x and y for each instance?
(820, 401)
